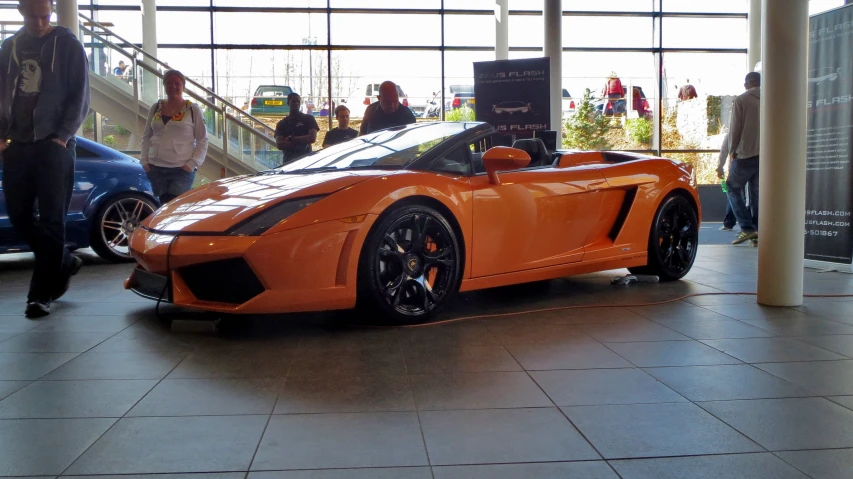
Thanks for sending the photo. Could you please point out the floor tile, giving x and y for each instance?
(103, 308)
(670, 353)
(80, 324)
(558, 470)
(502, 436)
(788, 424)
(511, 334)
(632, 332)
(726, 329)
(841, 344)
(452, 334)
(360, 362)
(580, 356)
(74, 399)
(53, 342)
(807, 326)
(835, 464)
(654, 430)
(366, 473)
(33, 447)
(846, 401)
(726, 382)
(572, 317)
(771, 350)
(9, 387)
(459, 359)
(349, 339)
(824, 378)
(233, 364)
(737, 466)
(324, 441)
(18, 323)
(131, 446)
(134, 365)
(147, 335)
(665, 313)
(209, 397)
(331, 393)
(603, 386)
(221, 475)
(434, 392)
(30, 366)
(755, 311)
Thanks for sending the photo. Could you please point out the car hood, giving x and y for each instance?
(218, 206)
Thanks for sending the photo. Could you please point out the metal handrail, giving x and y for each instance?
(165, 65)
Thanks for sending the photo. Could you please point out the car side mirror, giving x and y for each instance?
(503, 158)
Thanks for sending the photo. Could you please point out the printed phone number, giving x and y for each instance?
(821, 233)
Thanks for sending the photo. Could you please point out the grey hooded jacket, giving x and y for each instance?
(744, 138)
(64, 100)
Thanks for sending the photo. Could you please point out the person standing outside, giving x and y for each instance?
(295, 133)
(387, 112)
(687, 91)
(174, 143)
(44, 94)
(343, 132)
(744, 141)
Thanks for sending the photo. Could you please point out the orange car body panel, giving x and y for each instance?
(537, 224)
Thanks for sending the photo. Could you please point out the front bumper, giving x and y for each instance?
(312, 268)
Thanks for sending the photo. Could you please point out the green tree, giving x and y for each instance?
(587, 128)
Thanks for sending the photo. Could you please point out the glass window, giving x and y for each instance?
(183, 27)
(380, 29)
(818, 6)
(193, 63)
(610, 5)
(387, 4)
(526, 31)
(469, 30)
(607, 32)
(455, 162)
(704, 32)
(271, 3)
(470, 5)
(392, 148)
(706, 6)
(126, 24)
(270, 28)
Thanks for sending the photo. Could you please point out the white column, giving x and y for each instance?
(501, 29)
(782, 176)
(66, 15)
(554, 49)
(753, 52)
(150, 83)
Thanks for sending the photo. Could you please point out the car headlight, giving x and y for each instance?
(261, 222)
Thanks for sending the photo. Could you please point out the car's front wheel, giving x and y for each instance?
(115, 221)
(673, 240)
(410, 266)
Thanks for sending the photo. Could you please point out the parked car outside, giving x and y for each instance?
(111, 197)
(568, 103)
(270, 100)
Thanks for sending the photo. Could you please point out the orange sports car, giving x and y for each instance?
(400, 220)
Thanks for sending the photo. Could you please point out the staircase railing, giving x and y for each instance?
(239, 135)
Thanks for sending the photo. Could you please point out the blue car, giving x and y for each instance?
(112, 195)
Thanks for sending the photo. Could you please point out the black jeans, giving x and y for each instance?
(41, 173)
(743, 172)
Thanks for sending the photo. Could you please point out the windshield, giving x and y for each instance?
(392, 148)
(273, 91)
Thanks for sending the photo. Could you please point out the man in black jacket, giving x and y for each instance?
(387, 112)
(44, 94)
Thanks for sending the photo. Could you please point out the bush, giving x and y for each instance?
(640, 130)
(586, 129)
(89, 124)
(110, 141)
(120, 130)
(460, 114)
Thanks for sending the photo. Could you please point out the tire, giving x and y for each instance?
(410, 266)
(115, 221)
(673, 240)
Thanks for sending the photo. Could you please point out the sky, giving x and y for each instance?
(239, 72)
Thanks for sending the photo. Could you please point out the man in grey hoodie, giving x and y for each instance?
(44, 98)
(744, 142)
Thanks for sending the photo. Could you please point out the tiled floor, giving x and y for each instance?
(706, 387)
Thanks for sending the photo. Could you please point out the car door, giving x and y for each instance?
(535, 218)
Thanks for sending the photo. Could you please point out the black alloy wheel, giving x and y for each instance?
(673, 240)
(410, 266)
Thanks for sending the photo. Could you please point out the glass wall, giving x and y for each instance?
(334, 51)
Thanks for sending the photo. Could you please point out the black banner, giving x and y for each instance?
(829, 177)
(514, 95)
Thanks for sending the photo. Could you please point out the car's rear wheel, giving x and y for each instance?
(115, 221)
(673, 240)
(410, 266)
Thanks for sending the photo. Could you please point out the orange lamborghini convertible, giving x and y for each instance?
(400, 220)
